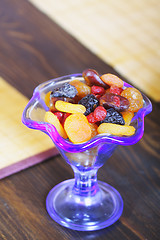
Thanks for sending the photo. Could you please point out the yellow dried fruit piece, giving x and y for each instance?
(127, 116)
(112, 79)
(77, 128)
(63, 106)
(51, 118)
(115, 129)
(82, 88)
(134, 97)
(47, 99)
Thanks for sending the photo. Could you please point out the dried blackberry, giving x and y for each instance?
(90, 102)
(66, 90)
(113, 117)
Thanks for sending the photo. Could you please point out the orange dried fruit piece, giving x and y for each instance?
(93, 127)
(69, 107)
(112, 79)
(77, 128)
(127, 116)
(47, 99)
(82, 88)
(134, 97)
(51, 118)
(116, 129)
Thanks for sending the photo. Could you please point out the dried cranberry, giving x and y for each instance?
(99, 113)
(97, 90)
(116, 90)
(91, 118)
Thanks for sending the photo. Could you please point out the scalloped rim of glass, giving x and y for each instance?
(66, 145)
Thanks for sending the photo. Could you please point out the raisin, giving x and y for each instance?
(113, 117)
(117, 102)
(90, 102)
(134, 97)
(66, 90)
(92, 78)
(82, 89)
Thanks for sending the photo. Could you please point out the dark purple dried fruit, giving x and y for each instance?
(113, 117)
(90, 102)
(66, 90)
(111, 100)
(92, 78)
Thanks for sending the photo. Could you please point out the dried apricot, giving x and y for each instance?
(93, 127)
(47, 99)
(51, 118)
(115, 129)
(112, 79)
(77, 128)
(134, 97)
(127, 116)
(82, 88)
(69, 107)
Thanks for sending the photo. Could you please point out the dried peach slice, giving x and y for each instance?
(51, 118)
(69, 107)
(116, 129)
(77, 128)
(112, 79)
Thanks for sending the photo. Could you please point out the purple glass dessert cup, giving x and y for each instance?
(82, 203)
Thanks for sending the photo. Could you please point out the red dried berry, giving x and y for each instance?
(116, 90)
(59, 115)
(99, 113)
(91, 118)
(96, 90)
(65, 115)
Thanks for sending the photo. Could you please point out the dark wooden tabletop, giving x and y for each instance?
(34, 49)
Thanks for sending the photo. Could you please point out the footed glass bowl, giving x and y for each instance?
(82, 203)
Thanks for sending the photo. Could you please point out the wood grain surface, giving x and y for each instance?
(34, 49)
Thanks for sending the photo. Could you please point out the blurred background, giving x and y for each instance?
(124, 34)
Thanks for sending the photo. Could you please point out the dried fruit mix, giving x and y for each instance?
(99, 104)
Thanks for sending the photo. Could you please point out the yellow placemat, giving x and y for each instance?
(123, 33)
(20, 147)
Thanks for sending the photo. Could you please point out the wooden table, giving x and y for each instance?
(34, 49)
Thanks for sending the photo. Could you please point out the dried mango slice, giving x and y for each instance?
(116, 129)
(51, 118)
(69, 107)
(127, 116)
(77, 128)
(112, 79)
